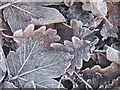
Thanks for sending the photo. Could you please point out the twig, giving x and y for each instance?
(103, 17)
(99, 51)
(7, 35)
(8, 4)
(84, 81)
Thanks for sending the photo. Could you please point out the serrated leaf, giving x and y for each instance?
(78, 47)
(33, 62)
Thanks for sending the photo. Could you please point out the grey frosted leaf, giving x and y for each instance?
(80, 48)
(113, 55)
(69, 45)
(108, 31)
(2, 60)
(34, 62)
(80, 31)
(50, 36)
(7, 84)
(58, 46)
(30, 12)
(78, 60)
(30, 84)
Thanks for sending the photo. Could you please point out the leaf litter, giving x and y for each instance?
(68, 44)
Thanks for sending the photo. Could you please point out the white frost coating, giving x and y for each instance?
(113, 55)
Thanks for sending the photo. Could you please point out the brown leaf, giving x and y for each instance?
(28, 32)
(78, 47)
(103, 61)
(50, 36)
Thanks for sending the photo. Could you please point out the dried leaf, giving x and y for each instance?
(29, 31)
(113, 55)
(76, 12)
(79, 48)
(32, 62)
(115, 83)
(80, 31)
(19, 16)
(65, 31)
(9, 85)
(50, 36)
(30, 85)
(103, 61)
(108, 31)
(18, 33)
(97, 7)
(2, 60)
(105, 75)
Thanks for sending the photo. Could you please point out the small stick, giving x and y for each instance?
(84, 81)
(99, 51)
(8, 4)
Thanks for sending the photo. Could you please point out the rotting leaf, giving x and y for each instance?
(33, 62)
(21, 15)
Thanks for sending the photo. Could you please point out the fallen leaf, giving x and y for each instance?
(76, 12)
(9, 85)
(20, 15)
(30, 85)
(29, 31)
(33, 62)
(97, 7)
(78, 47)
(108, 31)
(113, 55)
(50, 36)
(79, 30)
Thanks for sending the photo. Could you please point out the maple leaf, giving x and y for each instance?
(32, 61)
